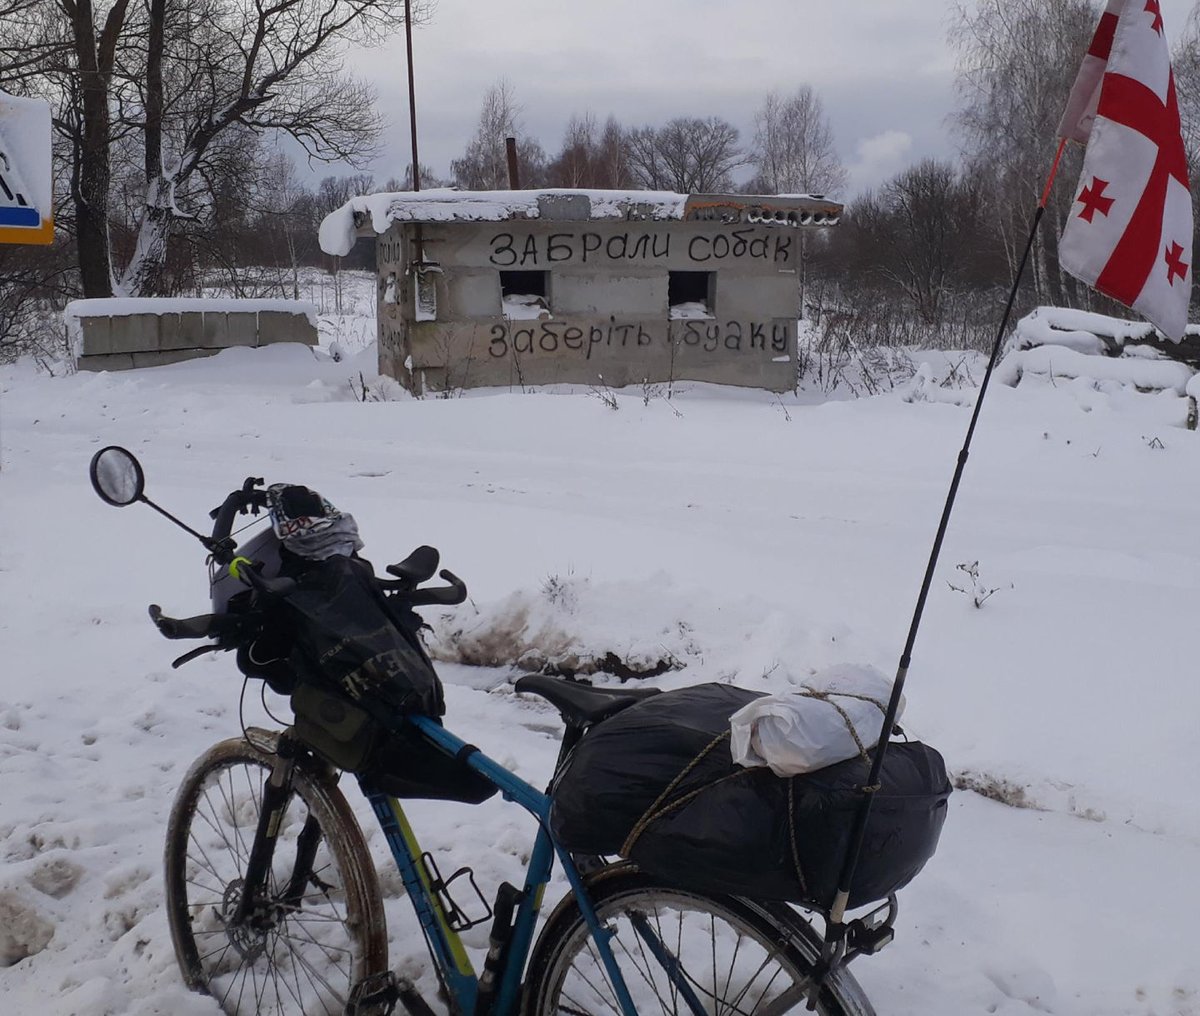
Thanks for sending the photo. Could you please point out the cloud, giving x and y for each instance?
(879, 157)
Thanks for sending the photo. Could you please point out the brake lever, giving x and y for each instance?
(194, 654)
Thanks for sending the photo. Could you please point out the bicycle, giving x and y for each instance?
(274, 903)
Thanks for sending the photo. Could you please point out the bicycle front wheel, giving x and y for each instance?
(683, 953)
(320, 928)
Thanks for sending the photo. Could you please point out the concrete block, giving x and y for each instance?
(105, 361)
(593, 294)
(162, 357)
(473, 294)
(215, 330)
(191, 330)
(97, 336)
(564, 207)
(279, 326)
(241, 328)
(135, 333)
(169, 332)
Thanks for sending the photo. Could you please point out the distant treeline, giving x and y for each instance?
(183, 184)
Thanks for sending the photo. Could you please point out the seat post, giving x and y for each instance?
(571, 737)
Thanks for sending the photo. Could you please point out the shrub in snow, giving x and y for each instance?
(977, 591)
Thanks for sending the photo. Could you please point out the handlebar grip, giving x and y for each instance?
(446, 596)
(201, 626)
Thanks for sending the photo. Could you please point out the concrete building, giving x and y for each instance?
(518, 288)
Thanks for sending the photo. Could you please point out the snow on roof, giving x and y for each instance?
(375, 213)
(122, 306)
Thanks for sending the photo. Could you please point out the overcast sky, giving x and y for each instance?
(883, 69)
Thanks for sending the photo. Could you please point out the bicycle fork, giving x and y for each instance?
(277, 795)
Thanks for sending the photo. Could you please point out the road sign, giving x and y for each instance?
(26, 211)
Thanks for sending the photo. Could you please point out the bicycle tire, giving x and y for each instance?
(306, 957)
(747, 939)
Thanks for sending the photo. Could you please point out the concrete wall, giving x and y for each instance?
(120, 341)
(608, 304)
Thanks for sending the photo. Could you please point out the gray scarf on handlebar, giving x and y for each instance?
(339, 537)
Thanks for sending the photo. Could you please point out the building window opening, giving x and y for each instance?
(525, 295)
(690, 294)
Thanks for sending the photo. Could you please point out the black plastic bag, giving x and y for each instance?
(656, 783)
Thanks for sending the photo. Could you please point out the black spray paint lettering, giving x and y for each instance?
(551, 334)
(704, 336)
(509, 251)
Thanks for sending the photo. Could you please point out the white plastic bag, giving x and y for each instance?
(810, 728)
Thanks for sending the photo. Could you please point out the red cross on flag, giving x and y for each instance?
(1129, 233)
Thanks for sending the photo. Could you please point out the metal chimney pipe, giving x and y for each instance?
(412, 97)
(514, 176)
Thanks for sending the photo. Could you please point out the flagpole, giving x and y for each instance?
(836, 930)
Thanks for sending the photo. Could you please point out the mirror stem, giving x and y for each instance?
(213, 546)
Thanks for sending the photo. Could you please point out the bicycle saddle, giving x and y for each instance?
(582, 705)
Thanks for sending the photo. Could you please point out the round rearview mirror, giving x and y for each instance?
(117, 476)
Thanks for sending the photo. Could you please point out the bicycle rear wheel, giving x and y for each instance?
(682, 953)
(303, 951)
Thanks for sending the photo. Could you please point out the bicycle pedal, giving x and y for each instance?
(376, 995)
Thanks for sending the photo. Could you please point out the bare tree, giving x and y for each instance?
(576, 163)
(1017, 60)
(793, 146)
(920, 237)
(1186, 61)
(181, 79)
(484, 165)
(612, 157)
(688, 155)
(429, 180)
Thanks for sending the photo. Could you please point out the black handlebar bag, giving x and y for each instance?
(360, 669)
(346, 636)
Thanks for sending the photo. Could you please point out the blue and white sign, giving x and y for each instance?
(26, 192)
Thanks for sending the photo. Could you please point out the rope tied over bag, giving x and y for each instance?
(655, 811)
(827, 698)
(660, 807)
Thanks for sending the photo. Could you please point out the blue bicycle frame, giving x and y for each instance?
(444, 943)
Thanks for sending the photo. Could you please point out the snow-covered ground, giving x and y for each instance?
(748, 537)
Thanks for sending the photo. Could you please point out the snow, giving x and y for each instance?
(690, 310)
(1083, 331)
(119, 306)
(735, 535)
(338, 229)
(1059, 361)
(524, 307)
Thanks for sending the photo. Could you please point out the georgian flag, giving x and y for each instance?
(1129, 233)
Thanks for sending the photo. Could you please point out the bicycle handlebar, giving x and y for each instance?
(202, 626)
(448, 596)
(246, 499)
